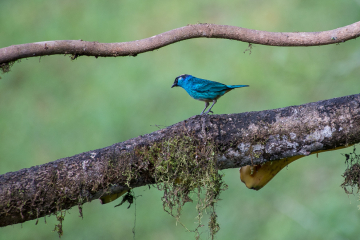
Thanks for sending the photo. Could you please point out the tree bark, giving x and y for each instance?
(83, 48)
(237, 140)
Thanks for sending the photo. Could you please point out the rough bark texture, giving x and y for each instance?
(84, 48)
(237, 140)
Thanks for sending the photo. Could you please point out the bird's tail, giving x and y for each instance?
(236, 86)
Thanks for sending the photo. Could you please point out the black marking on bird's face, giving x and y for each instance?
(175, 83)
(181, 77)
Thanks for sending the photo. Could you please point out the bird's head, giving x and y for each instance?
(179, 80)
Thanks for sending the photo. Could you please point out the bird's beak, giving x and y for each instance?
(174, 85)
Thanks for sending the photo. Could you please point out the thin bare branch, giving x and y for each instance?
(83, 48)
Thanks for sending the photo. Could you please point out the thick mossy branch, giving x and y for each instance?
(231, 141)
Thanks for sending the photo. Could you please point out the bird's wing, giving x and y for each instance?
(208, 86)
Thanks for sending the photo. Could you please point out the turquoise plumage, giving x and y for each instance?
(203, 90)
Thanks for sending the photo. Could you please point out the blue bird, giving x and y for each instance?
(203, 90)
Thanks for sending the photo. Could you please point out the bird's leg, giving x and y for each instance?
(214, 101)
(206, 105)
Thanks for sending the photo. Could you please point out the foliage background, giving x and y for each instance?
(53, 107)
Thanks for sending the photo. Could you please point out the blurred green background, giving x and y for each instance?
(53, 107)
